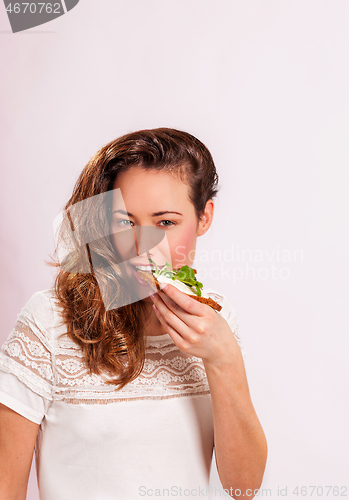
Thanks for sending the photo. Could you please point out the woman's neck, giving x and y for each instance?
(153, 327)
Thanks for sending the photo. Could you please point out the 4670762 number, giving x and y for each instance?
(319, 491)
(34, 8)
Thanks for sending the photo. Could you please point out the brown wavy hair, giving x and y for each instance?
(113, 339)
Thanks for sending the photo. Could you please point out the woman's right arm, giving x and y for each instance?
(17, 442)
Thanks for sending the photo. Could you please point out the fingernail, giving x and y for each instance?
(163, 286)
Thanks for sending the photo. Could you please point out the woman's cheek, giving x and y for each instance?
(183, 250)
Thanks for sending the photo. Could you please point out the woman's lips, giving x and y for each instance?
(138, 278)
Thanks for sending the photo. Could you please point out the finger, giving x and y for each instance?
(193, 322)
(184, 301)
(179, 341)
(169, 319)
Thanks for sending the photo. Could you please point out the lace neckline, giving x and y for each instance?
(158, 339)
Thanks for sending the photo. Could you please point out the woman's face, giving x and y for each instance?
(158, 199)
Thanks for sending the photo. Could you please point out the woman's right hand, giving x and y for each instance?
(17, 442)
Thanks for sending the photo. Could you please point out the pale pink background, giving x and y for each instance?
(265, 86)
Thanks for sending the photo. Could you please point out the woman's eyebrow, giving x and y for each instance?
(155, 214)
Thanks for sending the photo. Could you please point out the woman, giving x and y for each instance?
(125, 391)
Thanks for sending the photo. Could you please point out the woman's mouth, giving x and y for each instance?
(141, 281)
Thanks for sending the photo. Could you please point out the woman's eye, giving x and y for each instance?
(170, 223)
(123, 220)
(127, 222)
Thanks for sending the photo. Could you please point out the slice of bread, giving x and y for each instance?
(151, 279)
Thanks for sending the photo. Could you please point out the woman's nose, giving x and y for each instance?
(147, 238)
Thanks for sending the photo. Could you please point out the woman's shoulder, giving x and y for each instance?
(38, 313)
(222, 300)
(27, 351)
(229, 314)
(213, 293)
(39, 304)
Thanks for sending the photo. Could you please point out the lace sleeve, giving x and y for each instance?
(27, 351)
(232, 321)
(229, 314)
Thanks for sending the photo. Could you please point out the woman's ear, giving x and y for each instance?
(206, 218)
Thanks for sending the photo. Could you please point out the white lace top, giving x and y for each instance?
(95, 443)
